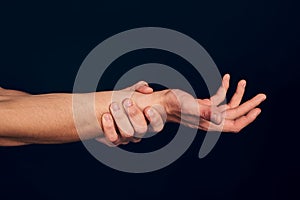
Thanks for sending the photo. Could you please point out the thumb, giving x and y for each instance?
(209, 113)
(142, 87)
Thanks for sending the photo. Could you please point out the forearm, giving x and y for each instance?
(49, 118)
(11, 142)
(38, 119)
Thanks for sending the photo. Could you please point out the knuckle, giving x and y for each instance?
(107, 125)
(108, 129)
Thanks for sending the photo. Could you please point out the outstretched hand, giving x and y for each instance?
(214, 116)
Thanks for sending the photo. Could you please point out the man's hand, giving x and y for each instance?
(234, 116)
(231, 117)
(206, 114)
(126, 122)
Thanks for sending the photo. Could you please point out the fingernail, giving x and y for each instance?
(263, 97)
(115, 106)
(128, 103)
(244, 83)
(258, 112)
(150, 112)
(255, 114)
(107, 118)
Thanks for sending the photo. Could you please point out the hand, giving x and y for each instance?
(231, 117)
(127, 122)
(235, 116)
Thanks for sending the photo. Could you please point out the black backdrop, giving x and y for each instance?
(44, 43)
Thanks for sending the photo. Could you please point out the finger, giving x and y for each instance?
(136, 140)
(222, 108)
(228, 125)
(141, 86)
(136, 85)
(105, 141)
(109, 130)
(144, 89)
(125, 142)
(220, 96)
(242, 122)
(245, 107)
(136, 117)
(155, 118)
(238, 95)
(122, 121)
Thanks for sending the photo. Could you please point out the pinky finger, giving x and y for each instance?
(245, 120)
(155, 119)
(109, 130)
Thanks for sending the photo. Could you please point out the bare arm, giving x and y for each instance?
(37, 119)
(48, 118)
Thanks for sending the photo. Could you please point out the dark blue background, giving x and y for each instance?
(42, 45)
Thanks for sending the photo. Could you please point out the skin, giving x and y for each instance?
(142, 87)
(48, 118)
(115, 124)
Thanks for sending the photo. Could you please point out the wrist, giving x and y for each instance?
(164, 98)
(171, 105)
(145, 100)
